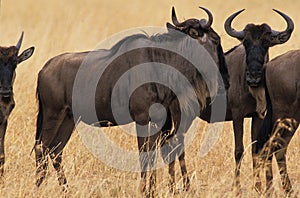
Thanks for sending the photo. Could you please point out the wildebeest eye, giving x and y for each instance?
(193, 33)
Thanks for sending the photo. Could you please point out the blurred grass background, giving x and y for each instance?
(54, 27)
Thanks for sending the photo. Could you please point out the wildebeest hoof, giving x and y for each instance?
(186, 183)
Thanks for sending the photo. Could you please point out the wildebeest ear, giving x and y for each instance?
(25, 54)
(170, 26)
(280, 38)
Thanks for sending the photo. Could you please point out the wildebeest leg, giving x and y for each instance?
(56, 161)
(283, 132)
(174, 148)
(148, 152)
(142, 151)
(238, 122)
(57, 146)
(186, 179)
(269, 173)
(166, 153)
(50, 125)
(266, 155)
(255, 127)
(281, 162)
(182, 123)
(172, 176)
(281, 138)
(41, 164)
(3, 127)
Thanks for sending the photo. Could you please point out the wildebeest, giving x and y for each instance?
(283, 115)
(246, 95)
(9, 59)
(176, 146)
(55, 121)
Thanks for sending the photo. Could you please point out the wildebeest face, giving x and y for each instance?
(202, 31)
(257, 39)
(8, 62)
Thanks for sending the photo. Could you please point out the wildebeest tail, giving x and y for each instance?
(39, 121)
(265, 131)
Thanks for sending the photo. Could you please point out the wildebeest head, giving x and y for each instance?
(9, 59)
(257, 39)
(204, 33)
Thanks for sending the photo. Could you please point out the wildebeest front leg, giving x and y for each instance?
(174, 147)
(186, 179)
(182, 122)
(148, 153)
(238, 122)
(3, 127)
(6, 107)
(166, 151)
(171, 184)
(255, 127)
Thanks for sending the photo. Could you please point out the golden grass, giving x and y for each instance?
(57, 26)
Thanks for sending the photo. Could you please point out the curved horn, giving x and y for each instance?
(176, 22)
(18, 46)
(232, 32)
(174, 18)
(282, 37)
(210, 19)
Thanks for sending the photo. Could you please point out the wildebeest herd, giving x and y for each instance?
(253, 85)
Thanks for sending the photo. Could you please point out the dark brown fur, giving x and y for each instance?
(283, 83)
(9, 59)
(55, 121)
(246, 95)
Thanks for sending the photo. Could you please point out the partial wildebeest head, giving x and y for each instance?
(9, 59)
(204, 33)
(257, 39)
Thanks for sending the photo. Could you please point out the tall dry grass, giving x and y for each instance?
(57, 26)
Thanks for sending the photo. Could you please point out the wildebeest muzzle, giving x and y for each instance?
(254, 78)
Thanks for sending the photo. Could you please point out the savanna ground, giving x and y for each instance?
(55, 26)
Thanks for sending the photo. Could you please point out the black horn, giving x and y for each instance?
(282, 37)
(232, 32)
(18, 46)
(210, 19)
(175, 20)
(182, 24)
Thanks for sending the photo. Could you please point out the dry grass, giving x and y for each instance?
(57, 26)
